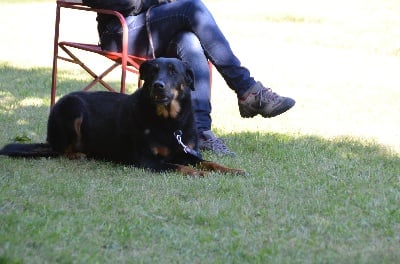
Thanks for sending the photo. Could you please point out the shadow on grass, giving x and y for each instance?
(259, 153)
(25, 98)
(36, 82)
(19, 83)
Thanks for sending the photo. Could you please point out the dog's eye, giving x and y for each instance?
(155, 71)
(171, 69)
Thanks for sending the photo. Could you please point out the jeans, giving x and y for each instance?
(188, 29)
(186, 46)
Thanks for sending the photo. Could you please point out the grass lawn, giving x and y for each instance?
(324, 178)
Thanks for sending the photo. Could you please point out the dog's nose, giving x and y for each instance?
(159, 85)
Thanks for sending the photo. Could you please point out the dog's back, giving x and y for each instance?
(86, 122)
(88, 115)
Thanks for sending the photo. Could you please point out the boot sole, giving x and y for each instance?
(286, 105)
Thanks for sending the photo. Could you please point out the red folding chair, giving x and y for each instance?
(127, 62)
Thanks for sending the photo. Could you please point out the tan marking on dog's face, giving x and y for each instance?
(161, 110)
(172, 109)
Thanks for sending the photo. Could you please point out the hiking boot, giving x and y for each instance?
(208, 141)
(263, 101)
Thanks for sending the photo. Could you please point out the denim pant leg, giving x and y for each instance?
(186, 46)
(192, 15)
(168, 20)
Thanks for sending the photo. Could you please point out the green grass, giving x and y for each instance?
(309, 200)
(323, 181)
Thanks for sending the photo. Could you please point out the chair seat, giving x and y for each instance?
(134, 61)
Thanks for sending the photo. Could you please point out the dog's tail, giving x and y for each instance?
(28, 150)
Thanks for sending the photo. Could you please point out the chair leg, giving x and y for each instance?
(55, 57)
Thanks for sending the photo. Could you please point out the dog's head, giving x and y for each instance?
(167, 82)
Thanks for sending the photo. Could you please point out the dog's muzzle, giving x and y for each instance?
(160, 94)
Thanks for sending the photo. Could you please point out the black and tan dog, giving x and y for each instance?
(153, 128)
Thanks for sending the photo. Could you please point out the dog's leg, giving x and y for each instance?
(189, 171)
(74, 155)
(72, 151)
(212, 166)
(77, 127)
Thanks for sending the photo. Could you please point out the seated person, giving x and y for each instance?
(187, 30)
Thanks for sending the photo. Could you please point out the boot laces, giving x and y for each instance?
(266, 95)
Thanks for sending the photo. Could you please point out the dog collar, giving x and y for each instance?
(186, 149)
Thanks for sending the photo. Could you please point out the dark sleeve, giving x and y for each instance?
(126, 7)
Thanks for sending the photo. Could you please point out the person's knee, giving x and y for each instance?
(188, 39)
(193, 5)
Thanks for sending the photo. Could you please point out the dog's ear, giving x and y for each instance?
(189, 76)
(145, 69)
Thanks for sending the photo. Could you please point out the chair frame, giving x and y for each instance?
(127, 62)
